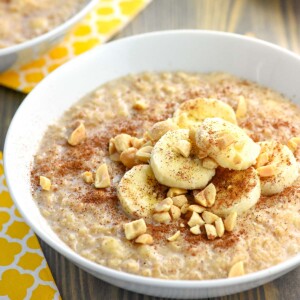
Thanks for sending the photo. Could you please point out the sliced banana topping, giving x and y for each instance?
(235, 191)
(192, 112)
(139, 192)
(174, 170)
(227, 144)
(277, 167)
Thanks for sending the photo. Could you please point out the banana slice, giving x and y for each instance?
(227, 144)
(276, 166)
(192, 112)
(139, 191)
(172, 169)
(235, 191)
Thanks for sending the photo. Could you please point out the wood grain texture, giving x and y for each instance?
(277, 21)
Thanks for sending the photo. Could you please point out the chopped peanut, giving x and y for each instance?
(174, 237)
(237, 269)
(179, 200)
(262, 159)
(128, 157)
(220, 227)
(175, 212)
(241, 110)
(184, 208)
(184, 148)
(163, 217)
(145, 239)
(45, 183)
(294, 143)
(195, 219)
(209, 217)
(210, 231)
(230, 221)
(209, 163)
(134, 229)
(267, 171)
(160, 128)
(122, 142)
(88, 177)
(195, 230)
(140, 105)
(172, 192)
(144, 153)
(164, 205)
(111, 146)
(115, 157)
(137, 143)
(225, 140)
(77, 136)
(196, 208)
(102, 179)
(207, 196)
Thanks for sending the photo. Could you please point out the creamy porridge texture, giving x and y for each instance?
(175, 175)
(31, 18)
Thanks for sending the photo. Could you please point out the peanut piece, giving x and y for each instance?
(172, 192)
(230, 221)
(160, 128)
(140, 105)
(137, 143)
(219, 227)
(134, 229)
(145, 239)
(196, 208)
(209, 163)
(122, 142)
(88, 177)
(77, 136)
(144, 153)
(179, 200)
(225, 140)
(45, 183)
(294, 143)
(102, 179)
(163, 217)
(207, 196)
(128, 157)
(210, 231)
(164, 205)
(195, 230)
(175, 212)
(237, 269)
(262, 159)
(115, 157)
(195, 219)
(184, 148)
(174, 237)
(184, 208)
(111, 146)
(241, 110)
(267, 171)
(209, 217)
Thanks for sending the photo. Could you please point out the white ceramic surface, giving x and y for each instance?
(19, 54)
(197, 51)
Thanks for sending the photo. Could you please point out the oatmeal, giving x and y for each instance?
(175, 176)
(31, 18)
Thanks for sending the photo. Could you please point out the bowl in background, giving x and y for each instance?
(19, 54)
(189, 51)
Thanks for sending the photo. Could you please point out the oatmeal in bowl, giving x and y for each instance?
(196, 170)
(179, 180)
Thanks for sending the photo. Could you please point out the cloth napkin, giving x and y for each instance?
(24, 273)
(106, 19)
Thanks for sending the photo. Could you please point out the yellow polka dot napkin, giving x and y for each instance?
(106, 19)
(24, 273)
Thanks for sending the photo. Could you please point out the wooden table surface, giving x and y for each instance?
(272, 20)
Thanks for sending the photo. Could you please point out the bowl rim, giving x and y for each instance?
(95, 268)
(53, 32)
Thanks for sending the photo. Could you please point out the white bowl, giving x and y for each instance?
(191, 51)
(17, 55)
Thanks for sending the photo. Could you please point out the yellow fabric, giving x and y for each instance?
(106, 19)
(24, 273)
